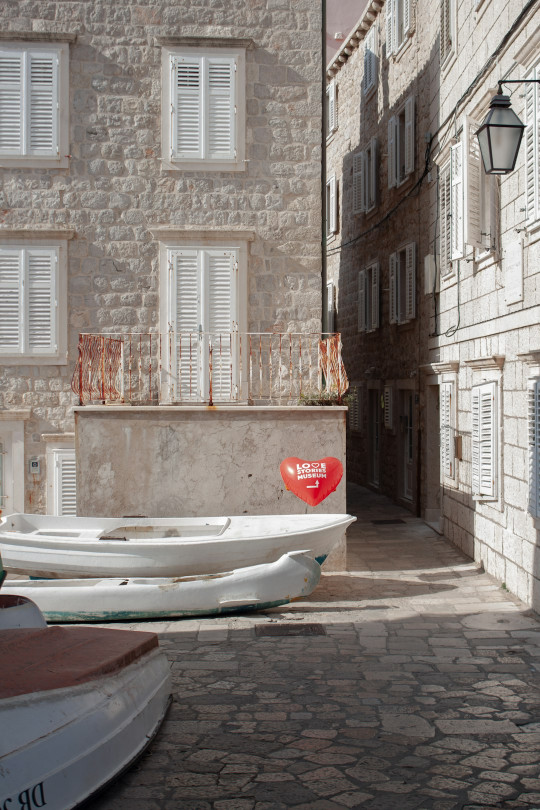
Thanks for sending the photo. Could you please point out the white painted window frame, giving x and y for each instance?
(58, 353)
(56, 456)
(169, 161)
(59, 157)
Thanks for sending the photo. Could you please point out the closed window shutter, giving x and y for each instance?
(445, 199)
(456, 161)
(355, 408)
(332, 109)
(472, 179)
(362, 301)
(534, 448)
(392, 162)
(375, 296)
(11, 101)
(390, 27)
(185, 321)
(10, 301)
(532, 138)
(373, 172)
(409, 135)
(446, 31)
(370, 60)
(447, 429)
(407, 22)
(40, 295)
(365, 182)
(410, 281)
(332, 205)
(187, 107)
(393, 271)
(220, 108)
(65, 483)
(484, 440)
(220, 267)
(388, 407)
(358, 164)
(42, 102)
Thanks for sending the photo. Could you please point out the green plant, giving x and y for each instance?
(322, 398)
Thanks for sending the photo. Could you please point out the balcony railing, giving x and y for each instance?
(255, 368)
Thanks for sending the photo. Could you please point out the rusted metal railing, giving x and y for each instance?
(200, 367)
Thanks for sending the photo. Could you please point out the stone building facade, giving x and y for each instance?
(472, 349)
(107, 178)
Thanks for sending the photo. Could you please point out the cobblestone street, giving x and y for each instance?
(410, 681)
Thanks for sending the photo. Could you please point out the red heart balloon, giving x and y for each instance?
(312, 481)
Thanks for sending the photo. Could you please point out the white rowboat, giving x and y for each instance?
(77, 706)
(68, 547)
(111, 599)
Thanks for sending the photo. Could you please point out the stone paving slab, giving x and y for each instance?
(423, 693)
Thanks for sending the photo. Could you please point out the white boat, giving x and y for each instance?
(77, 706)
(112, 599)
(18, 611)
(68, 547)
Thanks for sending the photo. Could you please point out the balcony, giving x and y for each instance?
(189, 368)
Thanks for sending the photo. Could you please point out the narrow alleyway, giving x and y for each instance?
(410, 681)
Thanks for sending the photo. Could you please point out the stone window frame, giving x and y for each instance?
(59, 44)
(56, 239)
(201, 46)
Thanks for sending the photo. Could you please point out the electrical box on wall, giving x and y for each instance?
(34, 466)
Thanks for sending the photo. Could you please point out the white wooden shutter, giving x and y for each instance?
(331, 213)
(220, 107)
(375, 296)
(42, 100)
(484, 440)
(472, 180)
(446, 31)
(185, 322)
(445, 213)
(65, 483)
(407, 19)
(11, 321)
(447, 429)
(534, 448)
(409, 136)
(11, 102)
(373, 171)
(332, 107)
(390, 27)
(218, 283)
(392, 161)
(362, 324)
(370, 60)
(456, 173)
(393, 272)
(40, 300)
(365, 182)
(358, 166)
(532, 147)
(410, 281)
(388, 407)
(186, 107)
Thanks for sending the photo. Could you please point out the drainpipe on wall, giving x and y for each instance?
(324, 292)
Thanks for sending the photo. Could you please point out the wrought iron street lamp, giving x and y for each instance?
(501, 133)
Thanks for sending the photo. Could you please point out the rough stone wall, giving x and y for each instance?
(115, 191)
(391, 354)
(499, 533)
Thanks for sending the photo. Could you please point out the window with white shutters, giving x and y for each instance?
(368, 298)
(447, 32)
(203, 320)
(534, 448)
(484, 440)
(365, 176)
(30, 321)
(331, 206)
(398, 24)
(445, 218)
(370, 61)
(447, 428)
(401, 144)
(203, 116)
(331, 108)
(358, 183)
(402, 277)
(33, 104)
(532, 146)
